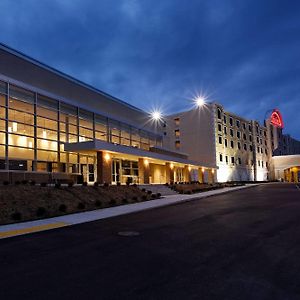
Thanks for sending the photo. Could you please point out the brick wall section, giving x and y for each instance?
(104, 168)
(144, 171)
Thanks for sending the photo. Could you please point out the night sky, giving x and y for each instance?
(243, 54)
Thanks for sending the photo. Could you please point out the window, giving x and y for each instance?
(226, 159)
(262, 163)
(239, 161)
(238, 134)
(177, 144)
(261, 150)
(250, 138)
(245, 147)
(266, 164)
(177, 133)
(239, 145)
(231, 144)
(231, 132)
(257, 129)
(230, 121)
(225, 142)
(177, 121)
(225, 130)
(244, 136)
(257, 139)
(232, 159)
(244, 126)
(266, 151)
(250, 127)
(238, 123)
(219, 114)
(221, 157)
(258, 162)
(219, 127)
(251, 148)
(258, 150)
(220, 140)
(225, 119)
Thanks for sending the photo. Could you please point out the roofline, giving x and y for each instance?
(64, 75)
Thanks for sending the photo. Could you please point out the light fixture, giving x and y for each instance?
(199, 101)
(14, 126)
(171, 166)
(146, 162)
(213, 171)
(190, 168)
(107, 157)
(203, 169)
(156, 115)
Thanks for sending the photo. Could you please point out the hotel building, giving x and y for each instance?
(242, 150)
(56, 128)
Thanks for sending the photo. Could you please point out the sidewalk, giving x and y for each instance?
(83, 217)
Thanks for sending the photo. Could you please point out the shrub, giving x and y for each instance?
(118, 183)
(17, 182)
(58, 185)
(134, 198)
(84, 183)
(112, 202)
(43, 184)
(96, 184)
(106, 184)
(127, 183)
(62, 208)
(124, 200)
(41, 211)
(158, 195)
(32, 182)
(24, 181)
(144, 190)
(81, 205)
(149, 192)
(98, 203)
(144, 198)
(16, 216)
(5, 182)
(153, 196)
(134, 185)
(70, 184)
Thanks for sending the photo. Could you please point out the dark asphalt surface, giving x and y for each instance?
(240, 245)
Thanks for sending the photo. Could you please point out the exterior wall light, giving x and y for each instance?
(146, 162)
(203, 170)
(171, 166)
(107, 157)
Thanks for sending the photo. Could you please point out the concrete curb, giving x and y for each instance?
(11, 230)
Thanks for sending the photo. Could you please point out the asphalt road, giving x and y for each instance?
(241, 245)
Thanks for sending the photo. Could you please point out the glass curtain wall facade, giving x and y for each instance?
(34, 129)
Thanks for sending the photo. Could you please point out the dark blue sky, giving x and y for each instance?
(242, 54)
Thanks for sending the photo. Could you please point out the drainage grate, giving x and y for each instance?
(128, 233)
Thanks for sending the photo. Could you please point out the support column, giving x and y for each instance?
(201, 175)
(144, 171)
(104, 169)
(169, 172)
(186, 174)
(211, 176)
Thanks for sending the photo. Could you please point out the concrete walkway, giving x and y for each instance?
(89, 216)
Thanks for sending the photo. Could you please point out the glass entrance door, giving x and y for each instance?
(116, 171)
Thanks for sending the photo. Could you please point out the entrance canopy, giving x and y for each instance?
(98, 145)
(287, 167)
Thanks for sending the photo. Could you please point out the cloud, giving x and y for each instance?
(244, 54)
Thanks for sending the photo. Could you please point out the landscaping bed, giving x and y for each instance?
(196, 187)
(24, 202)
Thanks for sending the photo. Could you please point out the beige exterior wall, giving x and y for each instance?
(192, 132)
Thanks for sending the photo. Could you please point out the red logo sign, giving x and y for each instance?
(276, 118)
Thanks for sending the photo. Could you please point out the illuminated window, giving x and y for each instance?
(177, 121)
(177, 133)
(177, 144)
